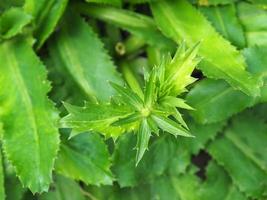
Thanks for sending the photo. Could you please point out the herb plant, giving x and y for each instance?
(133, 99)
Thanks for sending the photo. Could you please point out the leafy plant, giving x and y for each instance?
(94, 94)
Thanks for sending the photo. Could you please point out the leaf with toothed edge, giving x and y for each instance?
(86, 61)
(30, 135)
(85, 157)
(12, 22)
(143, 136)
(242, 154)
(96, 117)
(130, 112)
(170, 126)
(214, 49)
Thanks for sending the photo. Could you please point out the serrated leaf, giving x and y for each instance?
(174, 101)
(140, 25)
(242, 153)
(81, 53)
(178, 71)
(30, 138)
(214, 49)
(128, 96)
(215, 100)
(12, 22)
(85, 157)
(224, 19)
(253, 19)
(143, 136)
(170, 126)
(46, 15)
(95, 117)
(64, 189)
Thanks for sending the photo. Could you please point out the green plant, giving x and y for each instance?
(94, 94)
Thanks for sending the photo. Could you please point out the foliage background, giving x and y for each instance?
(69, 49)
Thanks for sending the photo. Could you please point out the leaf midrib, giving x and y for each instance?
(25, 97)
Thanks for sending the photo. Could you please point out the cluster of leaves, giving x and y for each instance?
(54, 51)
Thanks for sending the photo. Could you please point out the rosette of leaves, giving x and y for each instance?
(146, 112)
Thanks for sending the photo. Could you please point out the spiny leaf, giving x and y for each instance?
(12, 22)
(95, 117)
(30, 137)
(81, 52)
(130, 112)
(178, 72)
(85, 157)
(128, 96)
(214, 49)
(143, 136)
(174, 101)
(170, 126)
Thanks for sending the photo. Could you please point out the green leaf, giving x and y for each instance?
(81, 53)
(6, 4)
(46, 15)
(137, 24)
(128, 96)
(2, 189)
(242, 153)
(253, 19)
(150, 95)
(12, 22)
(170, 126)
(95, 117)
(213, 48)
(217, 185)
(224, 19)
(188, 146)
(213, 2)
(177, 102)
(85, 157)
(161, 153)
(63, 189)
(13, 188)
(215, 100)
(110, 2)
(30, 137)
(143, 136)
(178, 71)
